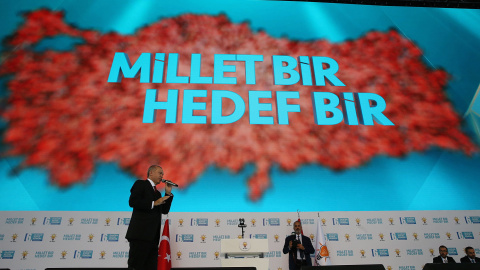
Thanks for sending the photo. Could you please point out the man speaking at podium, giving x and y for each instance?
(299, 247)
(143, 232)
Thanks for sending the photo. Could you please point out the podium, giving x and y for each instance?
(244, 253)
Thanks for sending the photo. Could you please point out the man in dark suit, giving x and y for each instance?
(443, 258)
(470, 258)
(299, 247)
(143, 232)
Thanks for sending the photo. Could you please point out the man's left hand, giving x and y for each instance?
(300, 246)
(168, 189)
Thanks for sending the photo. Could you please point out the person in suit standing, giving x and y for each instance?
(470, 258)
(143, 233)
(443, 258)
(299, 247)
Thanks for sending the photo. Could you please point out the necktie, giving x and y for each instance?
(473, 261)
(155, 188)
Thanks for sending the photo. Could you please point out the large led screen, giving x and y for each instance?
(247, 105)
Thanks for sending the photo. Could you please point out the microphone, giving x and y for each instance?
(169, 182)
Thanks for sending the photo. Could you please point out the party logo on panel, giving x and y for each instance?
(217, 222)
(312, 237)
(408, 220)
(345, 253)
(389, 267)
(271, 222)
(452, 251)
(380, 252)
(14, 237)
(347, 237)
(465, 235)
(324, 222)
(123, 221)
(429, 236)
(432, 252)
(203, 237)
(276, 238)
(90, 237)
(332, 236)
(199, 222)
(180, 222)
(362, 253)
(289, 222)
(52, 221)
(44, 254)
(398, 236)
(415, 252)
(89, 221)
(35, 237)
(415, 236)
(197, 255)
(397, 251)
(63, 254)
(32, 221)
(184, 238)
(457, 220)
(14, 221)
(102, 254)
(449, 236)
(382, 236)
(24, 255)
(357, 221)
(216, 254)
(179, 255)
(391, 221)
(7, 254)
(107, 221)
(424, 221)
(109, 237)
(70, 221)
(83, 254)
(253, 222)
(472, 220)
(341, 221)
(364, 236)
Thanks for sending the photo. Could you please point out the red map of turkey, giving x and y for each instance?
(63, 116)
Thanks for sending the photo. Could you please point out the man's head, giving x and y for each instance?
(470, 252)
(155, 173)
(297, 227)
(443, 251)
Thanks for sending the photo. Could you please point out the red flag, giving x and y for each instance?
(164, 254)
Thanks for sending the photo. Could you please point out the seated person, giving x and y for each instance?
(470, 258)
(443, 258)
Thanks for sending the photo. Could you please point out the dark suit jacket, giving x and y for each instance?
(438, 259)
(292, 254)
(467, 260)
(145, 222)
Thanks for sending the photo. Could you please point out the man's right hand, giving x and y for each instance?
(161, 200)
